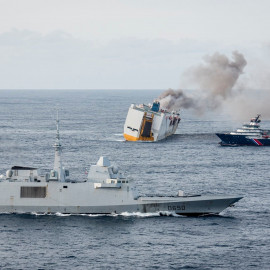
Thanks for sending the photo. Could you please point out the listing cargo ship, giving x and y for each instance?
(249, 134)
(150, 122)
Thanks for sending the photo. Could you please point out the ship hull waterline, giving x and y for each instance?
(229, 139)
(181, 206)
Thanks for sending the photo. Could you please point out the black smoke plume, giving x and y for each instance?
(215, 78)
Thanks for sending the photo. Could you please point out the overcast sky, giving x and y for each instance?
(127, 44)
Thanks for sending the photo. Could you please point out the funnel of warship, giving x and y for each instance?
(249, 134)
(105, 191)
(150, 122)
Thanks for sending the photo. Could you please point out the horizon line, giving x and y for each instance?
(111, 89)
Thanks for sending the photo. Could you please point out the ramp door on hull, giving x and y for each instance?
(147, 129)
(146, 133)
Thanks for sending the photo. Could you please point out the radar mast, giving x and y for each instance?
(58, 149)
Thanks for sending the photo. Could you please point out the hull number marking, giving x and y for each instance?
(176, 207)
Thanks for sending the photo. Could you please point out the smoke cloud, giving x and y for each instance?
(218, 75)
(215, 78)
(173, 100)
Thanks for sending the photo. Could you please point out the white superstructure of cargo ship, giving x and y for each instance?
(150, 123)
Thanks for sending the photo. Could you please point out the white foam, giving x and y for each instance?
(96, 215)
(38, 214)
(123, 214)
(62, 215)
(154, 214)
(169, 214)
(139, 214)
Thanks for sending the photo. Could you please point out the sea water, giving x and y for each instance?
(192, 160)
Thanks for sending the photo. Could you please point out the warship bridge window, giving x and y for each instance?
(118, 181)
(33, 192)
(65, 186)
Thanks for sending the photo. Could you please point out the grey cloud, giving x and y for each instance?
(59, 60)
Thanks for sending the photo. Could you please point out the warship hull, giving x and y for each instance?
(233, 139)
(106, 191)
(83, 198)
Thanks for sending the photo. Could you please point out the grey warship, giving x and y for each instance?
(105, 191)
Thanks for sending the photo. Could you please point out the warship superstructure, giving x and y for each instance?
(249, 134)
(150, 122)
(105, 191)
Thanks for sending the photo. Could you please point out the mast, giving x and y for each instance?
(57, 157)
